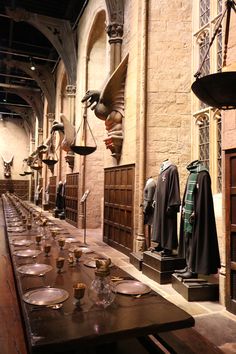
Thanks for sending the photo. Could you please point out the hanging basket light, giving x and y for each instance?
(219, 89)
(83, 149)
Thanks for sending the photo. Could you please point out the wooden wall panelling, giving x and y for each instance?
(230, 207)
(41, 194)
(72, 189)
(19, 187)
(52, 192)
(118, 207)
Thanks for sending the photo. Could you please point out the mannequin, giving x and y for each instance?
(46, 194)
(38, 190)
(148, 195)
(60, 197)
(148, 209)
(198, 236)
(167, 203)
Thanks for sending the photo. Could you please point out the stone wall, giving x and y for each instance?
(13, 142)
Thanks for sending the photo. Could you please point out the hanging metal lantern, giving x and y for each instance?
(219, 89)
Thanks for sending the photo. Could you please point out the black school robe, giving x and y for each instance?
(167, 203)
(205, 258)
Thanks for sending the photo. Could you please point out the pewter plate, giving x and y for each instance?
(55, 229)
(34, 269)
(45, 296)
(86, 250)
(23, 242)
(27, 253)
(14, 223)
(131, 287)
(16, 229)
(92, 263)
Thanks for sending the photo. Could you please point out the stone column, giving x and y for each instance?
(140, 239)
(40, 136)
(115, 33)
(31, 149)
(115, 9)
(71, 94)
(50, 120)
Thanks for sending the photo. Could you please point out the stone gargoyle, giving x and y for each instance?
(108, 105)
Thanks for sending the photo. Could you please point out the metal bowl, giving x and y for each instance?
(83, 150)
(217, 90)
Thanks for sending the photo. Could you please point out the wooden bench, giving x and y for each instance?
(182, 341)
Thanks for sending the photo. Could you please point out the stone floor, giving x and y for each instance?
(211, 319)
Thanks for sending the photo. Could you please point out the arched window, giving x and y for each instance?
(207, 130)
(204, 9)
(203, 123)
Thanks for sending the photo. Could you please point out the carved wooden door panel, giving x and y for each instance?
(72, 185)
(118, 207)
(230, 204)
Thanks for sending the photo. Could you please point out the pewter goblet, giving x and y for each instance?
(54, 234)
(47, 249)
(38, 239)
(79, 291)
(61, 242)
(71, 260)
(60, 263)
(77, 253)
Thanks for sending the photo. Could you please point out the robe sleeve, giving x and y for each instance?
(174, 193)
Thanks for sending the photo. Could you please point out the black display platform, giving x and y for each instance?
(159, 268)
(136, 258)
(204, 288)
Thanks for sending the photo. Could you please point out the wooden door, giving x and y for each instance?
(230, 204)
(118, 207)
(72, 189)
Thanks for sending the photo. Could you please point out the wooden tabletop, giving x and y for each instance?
(64, 329)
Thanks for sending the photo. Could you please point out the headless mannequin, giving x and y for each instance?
(148, 209)
(198, 235)
(167, 202)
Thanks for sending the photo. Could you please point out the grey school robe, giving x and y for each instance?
(148, 195)
(167, 203)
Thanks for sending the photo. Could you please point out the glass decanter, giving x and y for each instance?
(102, 290)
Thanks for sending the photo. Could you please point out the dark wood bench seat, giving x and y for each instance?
(186, 341)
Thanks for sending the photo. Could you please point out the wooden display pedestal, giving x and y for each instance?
(160, 268)
(45, 207)
(205, 288)
(136, 258)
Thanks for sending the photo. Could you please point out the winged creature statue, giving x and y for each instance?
(66, 131)
(108, 105)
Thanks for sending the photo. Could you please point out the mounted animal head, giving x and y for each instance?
(7, 167)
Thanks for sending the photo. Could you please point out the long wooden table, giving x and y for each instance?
(71, 329)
